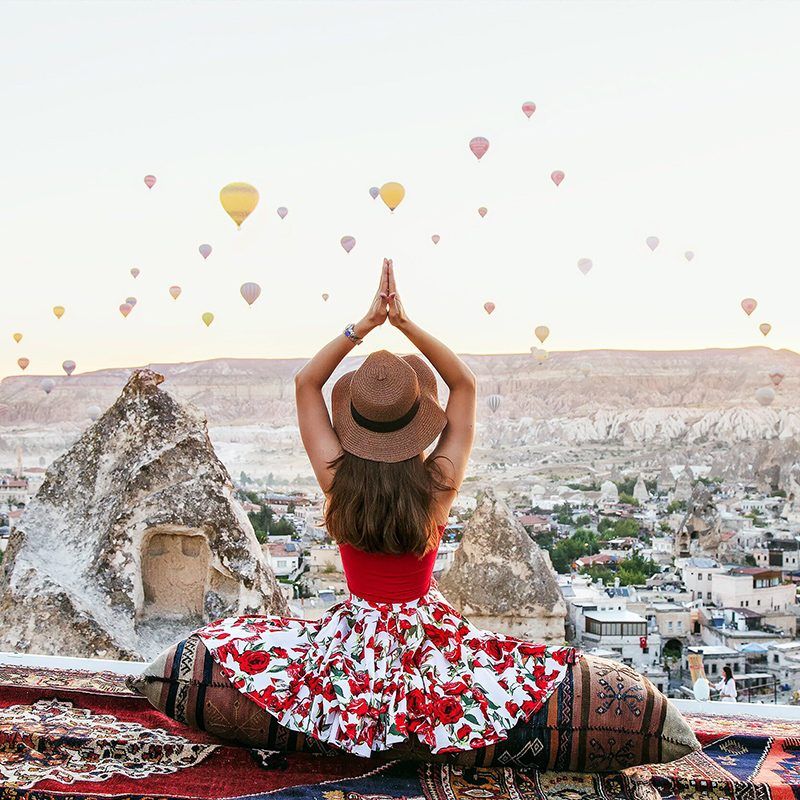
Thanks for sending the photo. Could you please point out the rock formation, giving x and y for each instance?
(501, 580)
(640, 492)
(133, 539)
(683, 486)
(700, 530)
(609, 493)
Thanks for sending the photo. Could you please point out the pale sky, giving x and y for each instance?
(673, 119)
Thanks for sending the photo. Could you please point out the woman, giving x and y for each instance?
(394, 660)
(726, 686)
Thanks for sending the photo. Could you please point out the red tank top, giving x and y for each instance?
(387, 578)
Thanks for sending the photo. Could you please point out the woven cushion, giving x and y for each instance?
(603, 717)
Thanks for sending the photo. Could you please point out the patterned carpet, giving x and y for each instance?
(71, 735)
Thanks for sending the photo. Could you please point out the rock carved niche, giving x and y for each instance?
(175, 572)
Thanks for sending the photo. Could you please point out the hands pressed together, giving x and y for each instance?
(386, 304)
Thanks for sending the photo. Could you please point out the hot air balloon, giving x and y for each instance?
(652, 242)
(325, 296)
(348, 243)
(208, 318)
(68, 367)
(175, 291)
(205, 250)
(282, 212)
(776, 378)
(48, 384)
(528, 107)
(239, 201)
(483, 211)
(58, 311)
(392, 194)
(93, 412)
(489, 307)
(689, 255)
(557, 176)
(125, 309)
(493, 401)
(479, 145)
(435, 238)
(374, 191)
(149, 181)
(131, 301)
(540, 355)
(765, 328)
(765, 395)
(17, 337)
(585, 265)
(23, 363)
(250, 292)
(542, 332)
(749, 305)
(135, 271)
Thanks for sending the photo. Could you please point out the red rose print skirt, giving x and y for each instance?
(369, 675)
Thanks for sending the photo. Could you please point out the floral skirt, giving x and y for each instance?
(369, 675)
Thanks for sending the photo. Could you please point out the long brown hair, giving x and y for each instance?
(384, 508)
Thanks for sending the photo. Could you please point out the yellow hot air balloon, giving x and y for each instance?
(392, 194)
(239, 201)
(58, 311)
(17, 337)
(542, 332)
(208, 318)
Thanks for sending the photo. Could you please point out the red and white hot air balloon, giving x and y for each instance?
(125, 309)
(205, 250)
(652, 242)
(23, 363)
(250, 292)
(489, 307)
(776, 378)
(483, 211)
(528, 107)
(282, 212)
(435, 238)
(585, 265)
(348, 243)
(135, 271)
(175, 291)
(68, 367)
(479, 145)
(689, 255)
(765, 328)
(749, 305)
(149, 181)
(557, 176)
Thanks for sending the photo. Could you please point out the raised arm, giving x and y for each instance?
(455, 443)
(316, 430)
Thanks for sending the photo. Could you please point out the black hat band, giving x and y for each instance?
(388, 426)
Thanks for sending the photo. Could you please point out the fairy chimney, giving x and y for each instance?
(133, 540)
(502, 580)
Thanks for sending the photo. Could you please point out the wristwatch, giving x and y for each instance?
(350, 333)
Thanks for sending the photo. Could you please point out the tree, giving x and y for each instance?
(628, 499)
(563, 514)
(583, 520)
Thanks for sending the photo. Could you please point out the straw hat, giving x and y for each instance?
(388, 409)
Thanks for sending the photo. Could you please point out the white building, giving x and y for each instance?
(624, 633)
(284, 557)
(756, 588)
